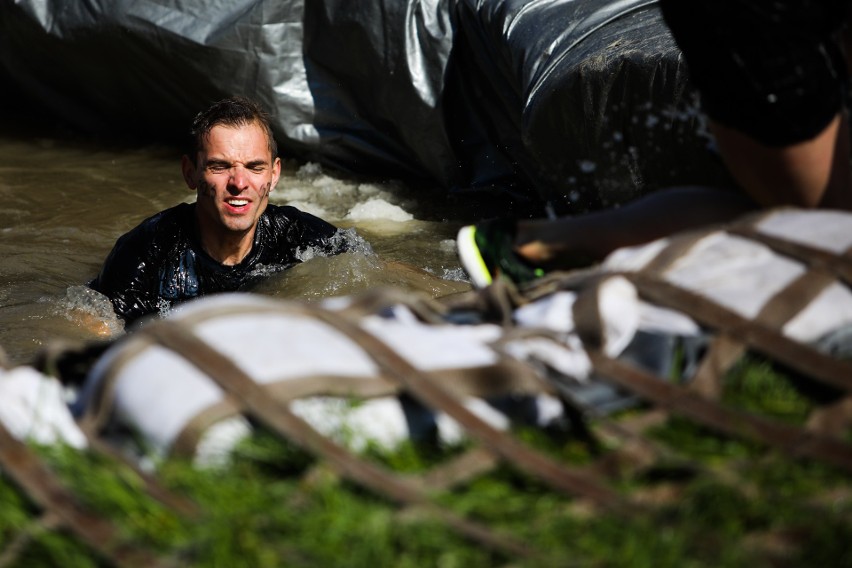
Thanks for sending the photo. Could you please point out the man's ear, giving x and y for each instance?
(188, 168)
(276, 172)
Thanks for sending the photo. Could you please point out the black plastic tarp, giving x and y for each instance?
(576, 103)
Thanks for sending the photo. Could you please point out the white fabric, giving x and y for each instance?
(742, 275)
(159, 392)
(831, 310)
(827, 230)
(216, 444)
(738, 274)
(33, 409)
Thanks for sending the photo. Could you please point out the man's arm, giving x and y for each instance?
(125, 280)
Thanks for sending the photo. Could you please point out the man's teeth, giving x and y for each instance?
(237, 202)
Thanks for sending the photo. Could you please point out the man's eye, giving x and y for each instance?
(216, 168)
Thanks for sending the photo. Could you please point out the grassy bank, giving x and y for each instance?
(707, 500)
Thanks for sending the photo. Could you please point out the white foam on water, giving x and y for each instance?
(378, 209)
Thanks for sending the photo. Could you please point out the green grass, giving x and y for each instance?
(735, 504)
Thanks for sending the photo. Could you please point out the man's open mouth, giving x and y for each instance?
(237, 202)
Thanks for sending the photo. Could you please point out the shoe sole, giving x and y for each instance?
(471, 257)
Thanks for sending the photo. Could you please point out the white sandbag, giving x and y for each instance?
(823, 229)
(33, 409)
(741, 274)
(620, 312)
(158, 392)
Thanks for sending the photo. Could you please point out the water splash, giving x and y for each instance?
(455, 275)
(90, 310)
(343, 238)
(587, 166)
(164, 307)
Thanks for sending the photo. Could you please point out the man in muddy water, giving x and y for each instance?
(230, 237)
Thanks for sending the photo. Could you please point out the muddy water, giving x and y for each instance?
(65, 203)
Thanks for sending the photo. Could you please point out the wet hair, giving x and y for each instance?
(233, 111)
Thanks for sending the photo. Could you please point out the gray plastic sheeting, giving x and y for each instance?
(579, 104)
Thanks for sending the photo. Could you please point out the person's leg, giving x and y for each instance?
(521, 251)
(569, 241)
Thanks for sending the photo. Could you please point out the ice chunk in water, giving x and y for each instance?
(378, 209)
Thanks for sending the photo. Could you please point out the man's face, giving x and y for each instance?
(233, 176)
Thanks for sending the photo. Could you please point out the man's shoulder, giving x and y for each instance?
(153, 236)
(180, 213)
(284, 211)
(283, 230)
(297, 224)
(176, 216)
(293, 214)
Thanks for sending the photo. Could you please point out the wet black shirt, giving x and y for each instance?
(161, 263)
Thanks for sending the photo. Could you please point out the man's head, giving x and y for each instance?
(233, 167)
(233, 111)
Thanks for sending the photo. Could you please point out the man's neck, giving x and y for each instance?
(228, 249)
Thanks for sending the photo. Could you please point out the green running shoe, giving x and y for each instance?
(485, 251)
